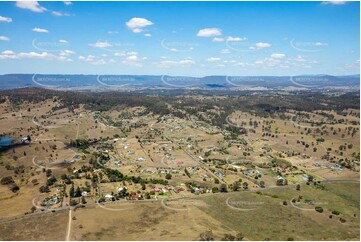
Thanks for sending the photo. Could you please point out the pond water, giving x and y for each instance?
(6, 141)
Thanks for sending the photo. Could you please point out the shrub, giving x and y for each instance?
(73, 202)
(44, 189)
(7, 180)
(13, 187)
(206, 236)
(319, 209)
(228, 237)
(335, 212)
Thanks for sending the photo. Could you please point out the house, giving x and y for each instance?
(141, 159)
(108, 196)
(179, 189)
(280, 177)
(84, 193)
(25, 140)
(305, 177)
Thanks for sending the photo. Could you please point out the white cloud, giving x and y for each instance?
(218, 39)
(68, 3)
(241, 64)
(262, 45)
(230, 38)
(209, 32)
(147, 35)
(213, 59)
(100, 62)
(225, 51)
(44, 55)
(164, 63)
(187, 62)
(101, 44)
(5, 19)
(300, 58)
(59, 14)
(66, 53)
(334, 2)
(63, 41)
(40, 30)
(120, 54)
(278, 56)
(137, 25)
(33, 6)
(91, 59)
(132, 53)
(4, 38)
(64, 58)
(88, 58)
(8, 54)
(133, 59)
(320, 44)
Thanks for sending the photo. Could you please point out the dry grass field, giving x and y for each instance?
(200, 158)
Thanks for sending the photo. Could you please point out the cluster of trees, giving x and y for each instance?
(183, 106)
(75, 192)
(208, 236)
(117, 176)
(9, 181)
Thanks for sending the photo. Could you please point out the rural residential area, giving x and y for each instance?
(153, 140)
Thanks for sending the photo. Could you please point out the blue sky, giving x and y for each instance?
(180, 38)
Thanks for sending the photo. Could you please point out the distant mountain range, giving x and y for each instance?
(134, 82)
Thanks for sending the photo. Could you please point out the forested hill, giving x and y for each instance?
(114, 82)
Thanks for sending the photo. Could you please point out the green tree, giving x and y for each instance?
(72, 191)
(235, 186)
(223, 188)
(77, 192)
(245, 185)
